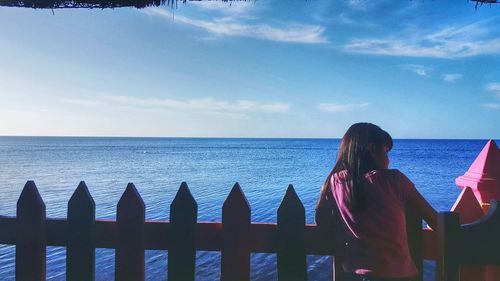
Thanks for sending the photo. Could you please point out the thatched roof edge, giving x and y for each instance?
(91, 4)
(103, 4)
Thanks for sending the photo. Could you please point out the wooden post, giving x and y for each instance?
(291, 227)
(448, 241)
(30, 235)
(182, 253)
(80, 261)
(235, 256)
(480, 243)
(414, 235)
(338, 270)
(129, 256)
(483, 178)
(470, 210)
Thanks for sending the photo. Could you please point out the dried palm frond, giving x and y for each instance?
(102, 4)
(90, 4)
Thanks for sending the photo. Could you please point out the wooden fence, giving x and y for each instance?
(476, 243)
(235, 237)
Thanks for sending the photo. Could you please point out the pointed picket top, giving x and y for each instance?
(467, 206)
(184, 208)
(291, 256)
(291, 212)
(30, 235)
(131, 197)
(30, 199)
(183, 196)
(483, 175)
(235, 250)
(236, 202)
(291, 201)
(129, 253)
(182, 252)
(81, 198)
(131, 206)
(81, 206)
(80, 248)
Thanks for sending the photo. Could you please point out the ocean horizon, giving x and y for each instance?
(218, 137)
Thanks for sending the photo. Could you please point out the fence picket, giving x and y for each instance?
(129, 255)
(80, 261)
(182, 253)
(414, 237)
(448, 241)
(30, 235)
(291, 227)
(235, 257)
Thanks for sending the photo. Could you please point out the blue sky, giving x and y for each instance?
(419, 69)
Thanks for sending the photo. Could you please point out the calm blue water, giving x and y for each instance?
(157, 166)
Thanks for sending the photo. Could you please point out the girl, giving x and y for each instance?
(367, 201)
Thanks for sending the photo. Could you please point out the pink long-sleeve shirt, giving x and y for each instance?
(376, 237)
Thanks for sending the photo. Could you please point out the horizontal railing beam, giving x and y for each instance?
(263, 236)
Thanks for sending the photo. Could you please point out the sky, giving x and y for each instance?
(265, 68)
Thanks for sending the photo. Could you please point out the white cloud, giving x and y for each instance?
(353, 20)
(343, 18)
(451, 77)
(233, 8)
(494, 87)
(480, 38)
(230, 26)
(337, 107)
(418, 69)
(491, 105)
(205, 105)
(357, 4)
(82, 102)
(362, 5)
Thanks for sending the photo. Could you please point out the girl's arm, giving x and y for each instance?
(424, 209)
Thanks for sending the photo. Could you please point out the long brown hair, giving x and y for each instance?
(355, 158)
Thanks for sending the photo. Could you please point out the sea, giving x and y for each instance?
(210, 166)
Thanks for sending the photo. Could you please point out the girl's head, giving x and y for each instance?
(363, 148)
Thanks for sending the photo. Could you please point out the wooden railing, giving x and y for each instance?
(476, 243)
(235, 237)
